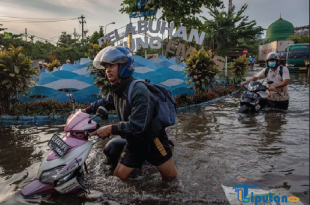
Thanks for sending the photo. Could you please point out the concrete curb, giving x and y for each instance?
(22, 120)
(192, 107)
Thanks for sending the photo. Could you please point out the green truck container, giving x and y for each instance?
(297, 56)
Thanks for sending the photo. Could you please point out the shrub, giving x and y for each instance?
(51, 66)
(15, 76)
(240, 69)
(201, 71)
(51, 107)
(45, 108)
(183, 100)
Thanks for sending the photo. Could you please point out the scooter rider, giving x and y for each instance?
(136, 123)
(278, 95)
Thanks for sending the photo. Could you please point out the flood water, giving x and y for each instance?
(214, 146)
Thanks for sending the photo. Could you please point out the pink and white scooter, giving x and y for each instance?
(61, 169)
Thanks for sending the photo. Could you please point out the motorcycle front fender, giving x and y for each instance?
(36, 187)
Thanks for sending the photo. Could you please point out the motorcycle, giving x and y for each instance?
(61, 169)
(255, 98)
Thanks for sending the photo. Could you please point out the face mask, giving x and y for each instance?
(272, 64)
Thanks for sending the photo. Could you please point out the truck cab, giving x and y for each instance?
(297, 56)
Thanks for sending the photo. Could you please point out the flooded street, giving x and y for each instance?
(214, 146)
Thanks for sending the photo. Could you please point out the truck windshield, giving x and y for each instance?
(283, 55)
(298, 51)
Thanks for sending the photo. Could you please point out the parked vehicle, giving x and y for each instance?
(62, 168)
(255, 98)
(283, 58)
(297, 56)
(275, 46)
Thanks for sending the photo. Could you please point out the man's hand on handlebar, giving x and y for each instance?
(242, 83)
(102, 132)
(272, 88)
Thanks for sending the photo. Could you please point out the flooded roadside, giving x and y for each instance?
(214, 145)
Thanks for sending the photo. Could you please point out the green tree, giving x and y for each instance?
(176, 11)
(65, 40)
(141, 51)
(94, 38)
(300, 39)
(67, 48)
(227, 28)
(101, 34)
(251, 44)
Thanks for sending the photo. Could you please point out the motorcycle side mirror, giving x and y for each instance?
(270, 82)
(102, 111)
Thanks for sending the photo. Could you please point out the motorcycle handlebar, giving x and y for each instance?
(88, 132)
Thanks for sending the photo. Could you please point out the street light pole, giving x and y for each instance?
(105, 28)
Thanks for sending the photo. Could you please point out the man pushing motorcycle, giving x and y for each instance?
(278, 95)
(145, 140)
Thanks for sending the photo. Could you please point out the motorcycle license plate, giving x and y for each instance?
(257, 107)
(58, 146)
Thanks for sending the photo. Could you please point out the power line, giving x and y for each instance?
(31, 36)
(35, 21)
(24, 18)
(43, 38)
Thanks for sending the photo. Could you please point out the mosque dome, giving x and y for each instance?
(280, 30)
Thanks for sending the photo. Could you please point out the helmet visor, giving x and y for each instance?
(109, 55)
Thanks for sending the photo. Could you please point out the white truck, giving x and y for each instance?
(275, 46)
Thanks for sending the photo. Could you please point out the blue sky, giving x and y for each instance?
(101, 12)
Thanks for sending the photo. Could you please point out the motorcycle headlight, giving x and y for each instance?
(252, 88)
(49, 176)
(68, 175)
(65, 178)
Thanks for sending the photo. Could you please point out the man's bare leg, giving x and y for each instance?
(167, 169)
(122, 172)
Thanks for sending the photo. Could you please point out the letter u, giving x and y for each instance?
(157, 26)
(265, 198)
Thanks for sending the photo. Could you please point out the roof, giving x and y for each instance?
(280, 30)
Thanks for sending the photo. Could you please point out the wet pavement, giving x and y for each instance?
(214, 146)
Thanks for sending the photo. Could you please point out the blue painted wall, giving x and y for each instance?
(76, 78)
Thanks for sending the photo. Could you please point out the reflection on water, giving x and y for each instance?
(214, 145)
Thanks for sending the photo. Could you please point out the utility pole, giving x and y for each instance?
(75, 34)
(230, 5)
(26, 34)
(82, 22)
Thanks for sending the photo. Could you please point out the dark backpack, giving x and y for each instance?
(280, 72)
(165, 104)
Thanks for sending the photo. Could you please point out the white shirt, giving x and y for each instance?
(280, 94)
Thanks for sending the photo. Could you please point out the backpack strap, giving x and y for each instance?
(266, 71)
(132, 84)
(281, 71)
